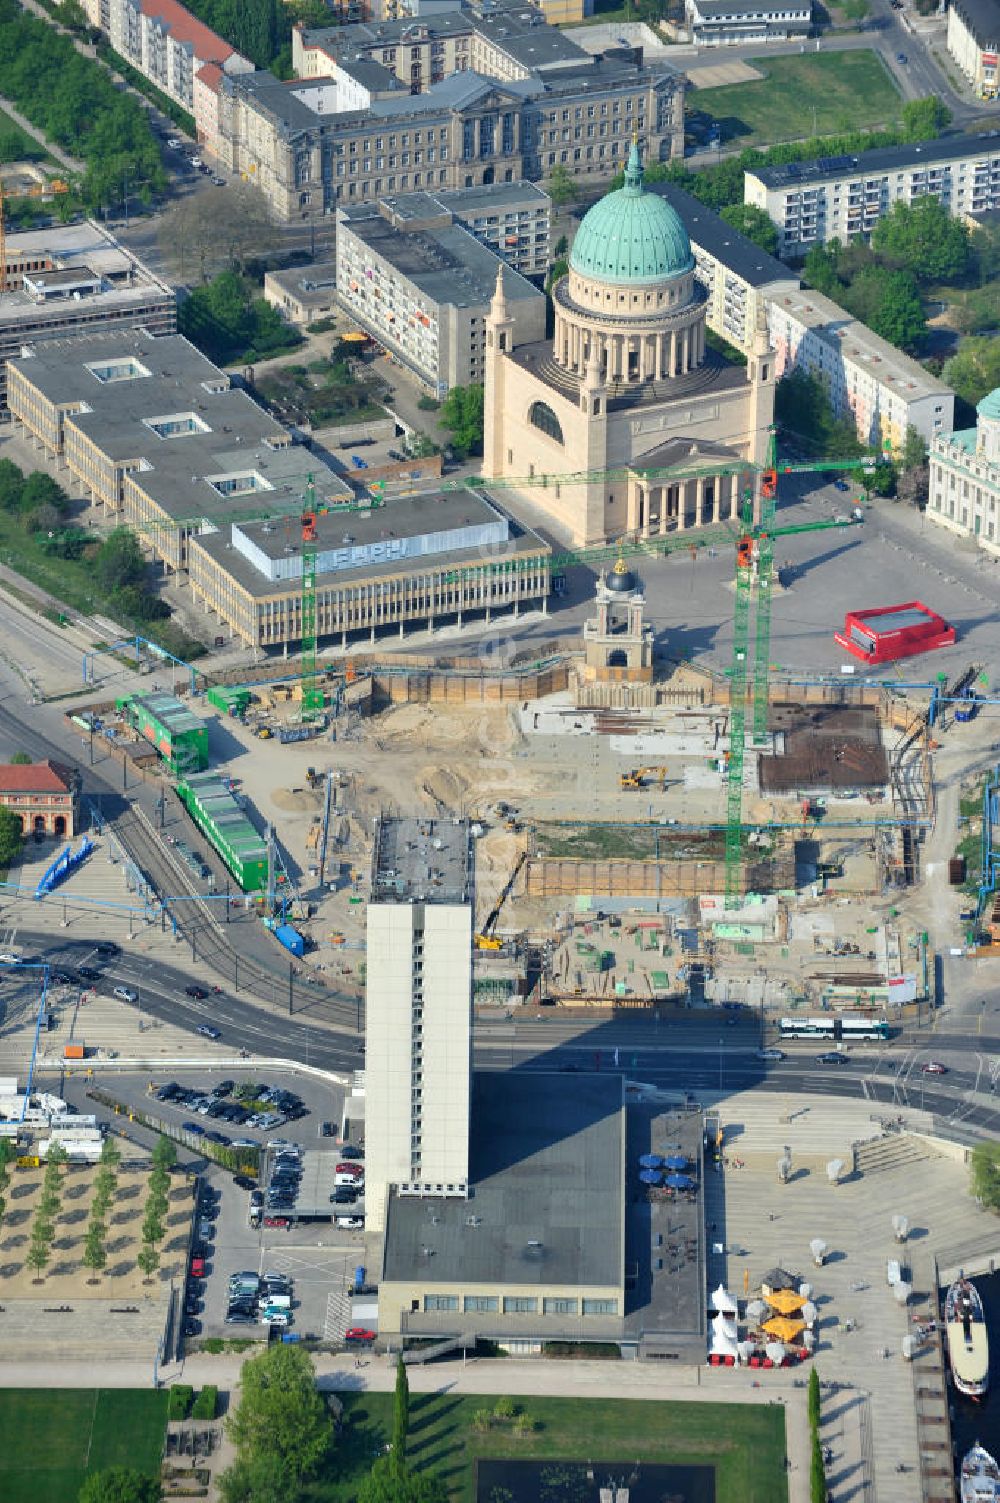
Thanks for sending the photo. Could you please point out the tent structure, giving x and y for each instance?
(679, 1182)
(650, 1176)
(784, 1327)
(784, 1301)
(809, 1313)
(677, 1161)
(777, 1278)
(757, 1311)
(776, 1351)
(723, 1300)
(650, 1161)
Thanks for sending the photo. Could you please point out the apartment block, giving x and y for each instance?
(964, 489)
(867, 379)
(729, 23)
(418, 1054)
(70, 283)
(739, 278)
(843, 198)
(973, 40)
(166, 43)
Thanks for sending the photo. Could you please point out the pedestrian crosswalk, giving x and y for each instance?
(338, 1315)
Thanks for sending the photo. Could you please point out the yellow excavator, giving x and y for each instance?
(639, 777)
(486, 939)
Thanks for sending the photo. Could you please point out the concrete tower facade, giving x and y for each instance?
(418, 1060)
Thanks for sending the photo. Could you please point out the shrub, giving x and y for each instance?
(504, 1409)
(180, 1401)
(213, 1345)
(206, 1404)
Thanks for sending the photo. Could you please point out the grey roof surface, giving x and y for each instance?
(718, 239)
(883, 159)
(243, 436)
(982, 17)
(77, 250)
(370, 74)
(424, 860)
(465, 203)
(533, 44)
(448, 264)
(546, 1191)
(749, 9)
(685, 451)
(403, 516)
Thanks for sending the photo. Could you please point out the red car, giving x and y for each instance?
(276, 1221)
(197, 1268)
(356, 1169)
(359, 1333)
(934, 1067)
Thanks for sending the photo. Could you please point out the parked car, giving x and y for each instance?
(197, 1267)
(277, 1221)
(85, 972)
(350, 1152)
(359, 1333)
(194, 1127)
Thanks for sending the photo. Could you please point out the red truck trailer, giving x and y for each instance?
(886, 632)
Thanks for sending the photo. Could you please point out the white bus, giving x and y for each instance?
(836, 1027)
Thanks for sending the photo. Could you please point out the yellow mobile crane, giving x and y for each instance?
(486, 939)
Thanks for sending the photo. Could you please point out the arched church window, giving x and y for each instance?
(541, 416)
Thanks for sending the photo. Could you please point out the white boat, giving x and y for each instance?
(968, 1343)
(980, 1477)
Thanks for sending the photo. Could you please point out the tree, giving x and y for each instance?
(924, 238)
(923, 119)
(11, 485)
(889, 303)
(462, 415)
(914, 453)
(148, 1260)
(95, 1253)
(11, 836)
(280, 1414)
(41, 490)
(111, 1155)
(120, 1484)
(561, 247)
(259, 1479)
(754, 223)
(400, 1414)
(984, 1168)
(153, 1229)
(38, 1256)
(562, 189)
(975, 370)
(812, 1398)
(119, 561)
(164, 1153)
(817, 1472)
(385, 1485)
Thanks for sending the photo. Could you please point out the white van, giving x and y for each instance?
(276, 1302)
(352, 1223)
(350, 1181)
(893, 1272)
(270, 1317)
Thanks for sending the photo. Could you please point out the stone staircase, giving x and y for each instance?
(879, 1155)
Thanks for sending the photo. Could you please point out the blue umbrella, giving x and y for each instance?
(677, 1161)
(649, 1176)
(680, 1182)
(652, 1161)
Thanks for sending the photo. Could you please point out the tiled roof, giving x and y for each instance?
(210, 75)
(184, 27)
(35, 777)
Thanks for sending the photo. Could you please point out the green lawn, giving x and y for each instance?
(51, 1438)
(746, 1443)
(815, 93)
(17, 146)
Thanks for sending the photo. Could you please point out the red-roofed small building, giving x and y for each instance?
(43, 794)
(167, 44)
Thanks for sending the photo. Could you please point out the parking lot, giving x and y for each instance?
(318, 1257)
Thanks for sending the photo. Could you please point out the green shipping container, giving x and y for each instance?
(180, 737)
(229, 699)
(211, 805)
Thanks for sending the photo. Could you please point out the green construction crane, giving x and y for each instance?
(312, 695)
(754, 567)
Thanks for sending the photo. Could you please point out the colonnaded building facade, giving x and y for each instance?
(651, 429)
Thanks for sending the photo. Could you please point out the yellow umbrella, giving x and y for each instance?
(784, 1328)
(784, 1301)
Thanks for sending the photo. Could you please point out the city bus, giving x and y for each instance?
(836, 1027)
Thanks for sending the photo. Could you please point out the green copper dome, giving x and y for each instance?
(632, 236)
(989, 407)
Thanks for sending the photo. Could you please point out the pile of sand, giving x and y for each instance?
(297, 800)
